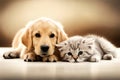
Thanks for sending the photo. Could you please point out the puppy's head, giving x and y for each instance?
(41, 35)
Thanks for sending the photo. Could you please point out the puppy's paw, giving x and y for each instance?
(51, 58)
(108, 57)
(10, 55)
(94, 59)
(38, 58)
(29, 57)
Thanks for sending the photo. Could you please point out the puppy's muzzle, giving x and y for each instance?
(44, 49)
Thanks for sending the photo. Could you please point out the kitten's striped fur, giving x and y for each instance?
(88, 48)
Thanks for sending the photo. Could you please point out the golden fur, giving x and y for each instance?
(27, 41)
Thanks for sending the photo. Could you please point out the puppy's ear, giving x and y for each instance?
(27, 39)
(62, 36)
(61, 44)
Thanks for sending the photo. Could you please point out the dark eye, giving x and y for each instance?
(37, 35)
(80, 53)
(52, 35)
(78, 44)
(69, 53)
(65, 43)
(89, 47)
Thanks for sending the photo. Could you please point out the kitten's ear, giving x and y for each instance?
(61, 44)
(89, 41)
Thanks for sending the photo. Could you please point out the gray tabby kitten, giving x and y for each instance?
(88, 48)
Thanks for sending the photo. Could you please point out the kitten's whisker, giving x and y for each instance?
(65, 60)
(88, 53)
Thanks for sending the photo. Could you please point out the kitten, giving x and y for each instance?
(88, 48)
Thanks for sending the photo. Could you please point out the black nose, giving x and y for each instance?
(75, 59)
(44, 48)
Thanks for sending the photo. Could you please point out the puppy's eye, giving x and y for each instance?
(80, 53)
(69, 53)
(52, 35)
(37, 35)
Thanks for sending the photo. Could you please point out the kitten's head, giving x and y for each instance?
(76, 49)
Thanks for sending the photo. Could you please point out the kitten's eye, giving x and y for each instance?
(69, 53)
(52, 35)
(65, 43)
(84, 41)
(37, 35)
(80, 53)
(89, 47)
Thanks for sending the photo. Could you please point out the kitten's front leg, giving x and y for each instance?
(96, 57)
(108, 56)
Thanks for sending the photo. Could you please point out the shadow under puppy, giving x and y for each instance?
(37, 40)
(87, 48)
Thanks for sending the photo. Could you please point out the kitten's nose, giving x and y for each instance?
(75, 60)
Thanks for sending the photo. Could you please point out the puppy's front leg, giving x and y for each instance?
(51, 58)
(29, 57)
(15, 53)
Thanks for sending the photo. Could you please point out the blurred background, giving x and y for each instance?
(79, 17)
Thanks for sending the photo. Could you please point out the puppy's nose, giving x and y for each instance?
(44, 48)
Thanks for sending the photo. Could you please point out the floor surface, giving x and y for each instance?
(17, 69)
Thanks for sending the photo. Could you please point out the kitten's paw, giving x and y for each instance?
(51, 58)
(94, 59)
(10, 55)
(29, 57)
(108, 57)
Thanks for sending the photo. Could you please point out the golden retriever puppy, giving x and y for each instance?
(38, 38)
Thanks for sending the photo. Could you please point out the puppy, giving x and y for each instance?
(38, 38)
